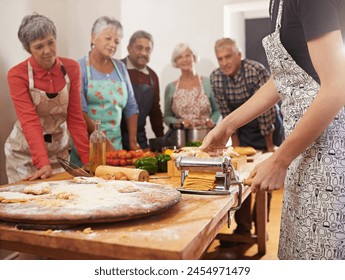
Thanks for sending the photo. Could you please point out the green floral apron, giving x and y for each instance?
(105, 101)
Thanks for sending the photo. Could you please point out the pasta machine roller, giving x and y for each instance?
(226, 177)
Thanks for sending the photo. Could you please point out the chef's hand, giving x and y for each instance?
(42, 173)
(268, 175)
(216, 138)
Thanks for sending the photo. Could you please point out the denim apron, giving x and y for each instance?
(313, 213)
(52, 112)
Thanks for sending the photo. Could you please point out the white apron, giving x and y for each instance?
(52, 113)
(313, 214)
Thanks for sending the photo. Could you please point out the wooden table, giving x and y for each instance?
(182, 232)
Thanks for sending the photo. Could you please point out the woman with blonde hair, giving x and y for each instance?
(189, 100)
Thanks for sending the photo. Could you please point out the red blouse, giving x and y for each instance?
(51, 81)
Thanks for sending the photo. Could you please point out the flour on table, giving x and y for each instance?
(15, 197)
(87, 180)
(38, 189)
(87, 202)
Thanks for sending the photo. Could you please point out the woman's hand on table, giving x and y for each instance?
(42, 173)
(268, 175)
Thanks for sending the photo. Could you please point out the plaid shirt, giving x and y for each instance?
(240, 88)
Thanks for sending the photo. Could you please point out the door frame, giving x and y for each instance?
(235, 14)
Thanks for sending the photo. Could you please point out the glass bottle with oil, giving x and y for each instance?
(97, 148)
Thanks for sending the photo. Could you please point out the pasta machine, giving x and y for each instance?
(226, 178)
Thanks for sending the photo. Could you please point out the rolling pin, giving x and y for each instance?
(114, 172)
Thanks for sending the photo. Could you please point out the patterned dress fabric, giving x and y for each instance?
(191, 104)
(313, 214)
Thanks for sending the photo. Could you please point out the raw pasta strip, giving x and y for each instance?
(202, 181)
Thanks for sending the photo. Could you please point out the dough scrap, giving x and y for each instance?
(15, 197)
(38, 189)
(87, 180)
(245, 151)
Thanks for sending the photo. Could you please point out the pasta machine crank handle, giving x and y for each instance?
(239, 201)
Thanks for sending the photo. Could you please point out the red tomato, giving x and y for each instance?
(139, 153)
(116, 162)
(110, 155)
(122, 155)
(122, 162)
(113, 162)
(132, 153)
(129, 161)
(129, 155)
(149, 154)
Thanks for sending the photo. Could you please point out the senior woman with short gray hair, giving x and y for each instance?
(106, 92)
(189, 99)
(45, 90)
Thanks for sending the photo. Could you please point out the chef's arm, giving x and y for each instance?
(235, 140)
(259, 103)
(132, 124)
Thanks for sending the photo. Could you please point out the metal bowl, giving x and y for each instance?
(197, 133)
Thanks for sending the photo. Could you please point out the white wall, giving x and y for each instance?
(235, 15)
(198, 22)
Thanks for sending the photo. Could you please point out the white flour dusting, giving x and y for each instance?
(69, 200)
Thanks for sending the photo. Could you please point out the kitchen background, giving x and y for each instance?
(198, 22)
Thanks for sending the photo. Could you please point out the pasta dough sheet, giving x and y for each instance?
(201, 181)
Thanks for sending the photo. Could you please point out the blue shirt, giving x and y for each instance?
(131, 107)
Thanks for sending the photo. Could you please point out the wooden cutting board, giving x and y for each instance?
(69, 203)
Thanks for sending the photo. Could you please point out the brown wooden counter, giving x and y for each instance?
(181, 232)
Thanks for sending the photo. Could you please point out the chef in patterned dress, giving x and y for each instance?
(307, 60)
(45, 90)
